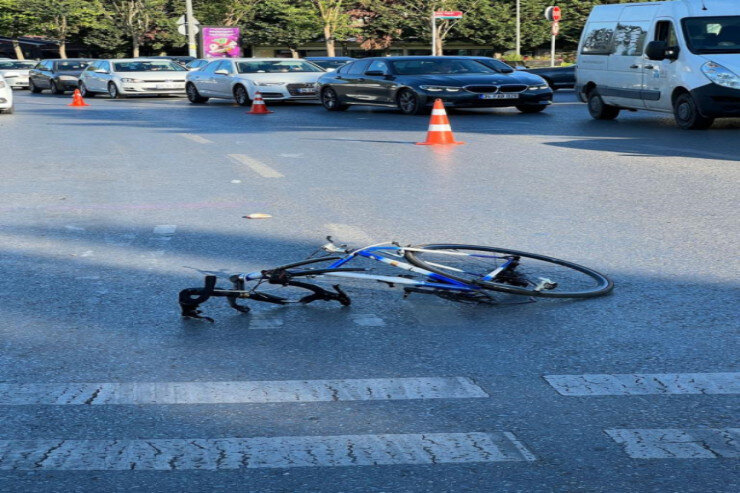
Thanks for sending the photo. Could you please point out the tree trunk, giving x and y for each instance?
(18, 51)
(438, 44)
(62, 49)
(329, 41)
(135, 47)
(294, 53)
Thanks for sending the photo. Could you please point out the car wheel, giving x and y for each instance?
(687, 114)
(330, 100)
(531, 108)
(54, 88)
(598, 109)
(241, 96)
(32, 87)
(193, 94)
(113, 91)
(84, 91)
(408, 102)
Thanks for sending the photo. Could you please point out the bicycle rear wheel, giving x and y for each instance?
(510, 271)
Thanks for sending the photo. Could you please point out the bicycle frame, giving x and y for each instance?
(374, 252)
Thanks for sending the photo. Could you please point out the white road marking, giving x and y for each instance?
(138, 393)
(260, 168)
(165, 229)
(72, 227)
(196, 138)
(348, 234)
(679, 444)
(368, 320)
(258, 452)
(264, 321)
(646, 384)
(293, 156)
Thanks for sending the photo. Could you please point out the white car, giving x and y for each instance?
(124, 77)
(16, 72)
(277, 79)
(6, 96)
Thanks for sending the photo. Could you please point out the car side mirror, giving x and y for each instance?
(657, 50)
(506, 70)
(221, 72)
(375, 73)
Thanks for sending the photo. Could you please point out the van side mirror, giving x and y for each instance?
(656, 50)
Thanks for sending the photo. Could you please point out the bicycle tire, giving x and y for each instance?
(598, 285)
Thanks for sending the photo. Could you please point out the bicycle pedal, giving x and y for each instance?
(545, 284)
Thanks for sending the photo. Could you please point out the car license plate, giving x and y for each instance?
(166, 86)
(306, 90)
(500, 96)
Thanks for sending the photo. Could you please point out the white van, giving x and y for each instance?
(680, 56)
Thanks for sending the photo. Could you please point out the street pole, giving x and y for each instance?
(434, 34)
(518, 28)
(190, 20)
(552, 51)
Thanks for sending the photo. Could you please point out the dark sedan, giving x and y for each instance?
(411, 84)
(57, 75)
(557, 77)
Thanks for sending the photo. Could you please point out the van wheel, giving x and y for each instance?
(687, 114)
(599, 109)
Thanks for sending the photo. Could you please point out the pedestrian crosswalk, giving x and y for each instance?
(260, 452)
(347, 450)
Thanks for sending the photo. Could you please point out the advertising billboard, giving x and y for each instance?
(221, 42)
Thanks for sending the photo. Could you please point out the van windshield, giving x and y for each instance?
(713, 34)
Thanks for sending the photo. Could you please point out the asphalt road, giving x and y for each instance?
(108, 211)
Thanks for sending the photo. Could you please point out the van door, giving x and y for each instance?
(625, 64)
(660, 76)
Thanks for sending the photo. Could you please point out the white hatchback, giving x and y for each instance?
(16, 72)
(6, 96)
(277, 79)
(124, 77)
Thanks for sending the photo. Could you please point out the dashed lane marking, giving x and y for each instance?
(367, 320)
(260, 168)
(679, 444)
(259, 452)
(138, 393)
(165, 229)
(646, 384)
(196, 138)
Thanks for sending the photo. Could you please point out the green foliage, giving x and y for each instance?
(377, 24)
(291, 23)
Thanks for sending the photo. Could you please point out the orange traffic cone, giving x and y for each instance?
(258, 106)
(440, 132)
(77, 99)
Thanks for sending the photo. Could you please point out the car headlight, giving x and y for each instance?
(720, 75)
(538, 88)
(131, 81)
(2, 84)
(441, 88)
(271, 83)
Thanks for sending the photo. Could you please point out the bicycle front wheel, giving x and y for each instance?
(510, 271)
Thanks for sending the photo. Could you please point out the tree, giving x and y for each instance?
(285, 22)
(138, 20)
(15, 21)
(60, 19)
(227, 12)
(383, 22)
(336, 21)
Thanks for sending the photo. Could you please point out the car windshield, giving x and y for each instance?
(16, 65)
(432, 67)
(148, 66)
(330, 63)
(72, 65)
(276, 67)
(713, 34)
(496, 65)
